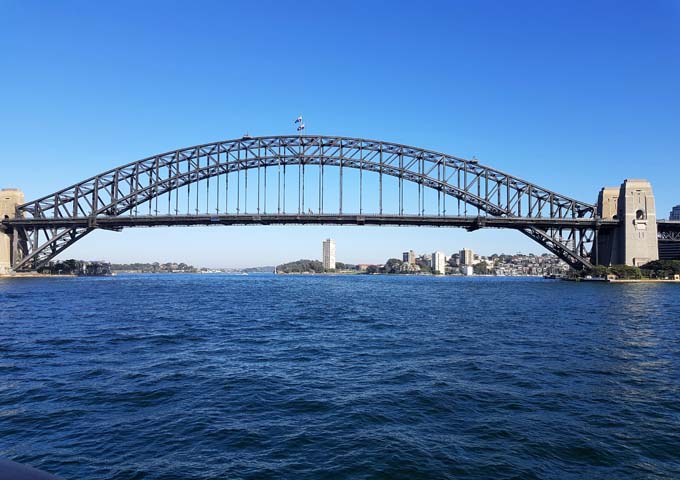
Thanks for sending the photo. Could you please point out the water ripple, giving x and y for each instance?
(264, 377)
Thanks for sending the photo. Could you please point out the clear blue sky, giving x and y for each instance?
(570, 95)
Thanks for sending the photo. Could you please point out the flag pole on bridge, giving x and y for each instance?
(301, 126)
(301, 167)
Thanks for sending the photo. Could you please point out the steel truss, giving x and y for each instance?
(669, 236)
(41, 229)
(669, 230)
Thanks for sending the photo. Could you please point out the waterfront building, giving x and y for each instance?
(675, 213)
(409, 268)
(409, 257)
(467, 270)
(467, 257)
(454, 260)
(329, 254)
(438, 262)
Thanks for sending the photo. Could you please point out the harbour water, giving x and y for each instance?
(339, 377)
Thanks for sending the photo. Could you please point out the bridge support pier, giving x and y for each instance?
(9, 199)
(634, 241)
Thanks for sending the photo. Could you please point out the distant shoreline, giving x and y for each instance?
(643, 280)
(35, 275)
(409, 275)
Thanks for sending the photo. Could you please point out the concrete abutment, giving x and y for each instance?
(9, 199)
(634, 241)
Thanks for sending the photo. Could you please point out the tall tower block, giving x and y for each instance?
(329, 254)
(9, 199)
(638, 215)
(634, 242)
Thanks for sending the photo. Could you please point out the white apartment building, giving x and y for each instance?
(329, 254)
(438, 262)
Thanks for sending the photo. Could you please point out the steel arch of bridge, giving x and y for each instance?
(45, 227)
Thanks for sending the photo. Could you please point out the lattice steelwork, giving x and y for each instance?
(670, 236)
(161, 187)
(669, 230)
(669, 239)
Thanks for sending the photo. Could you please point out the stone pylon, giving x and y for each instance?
(9, 199)
(634, 242)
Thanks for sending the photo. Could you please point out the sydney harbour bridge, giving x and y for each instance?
(308, 179)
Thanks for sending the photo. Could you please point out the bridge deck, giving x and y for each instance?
(468, 222)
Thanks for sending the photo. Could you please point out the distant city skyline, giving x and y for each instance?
(573, 101)
(375, 257)
(374, 254)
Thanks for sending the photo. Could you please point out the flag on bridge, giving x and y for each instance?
(299, 119)
(301, 127)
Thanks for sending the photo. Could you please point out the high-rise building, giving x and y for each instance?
(438, 263)
(675, 213)
(467, 257)
(454, 259)
(329, 254)
(409, 257)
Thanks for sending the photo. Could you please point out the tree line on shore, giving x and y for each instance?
(76, 267)
(658, 269)
(81, 267)
(154, 267)
(312, 266)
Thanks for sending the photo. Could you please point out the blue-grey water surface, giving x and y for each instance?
(339, 377)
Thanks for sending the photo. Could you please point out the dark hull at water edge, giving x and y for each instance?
(15, 471)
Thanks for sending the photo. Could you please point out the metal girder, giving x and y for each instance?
(669, 236)
(669, 230)
(37, 246)
(469, 222)
(54, 222)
